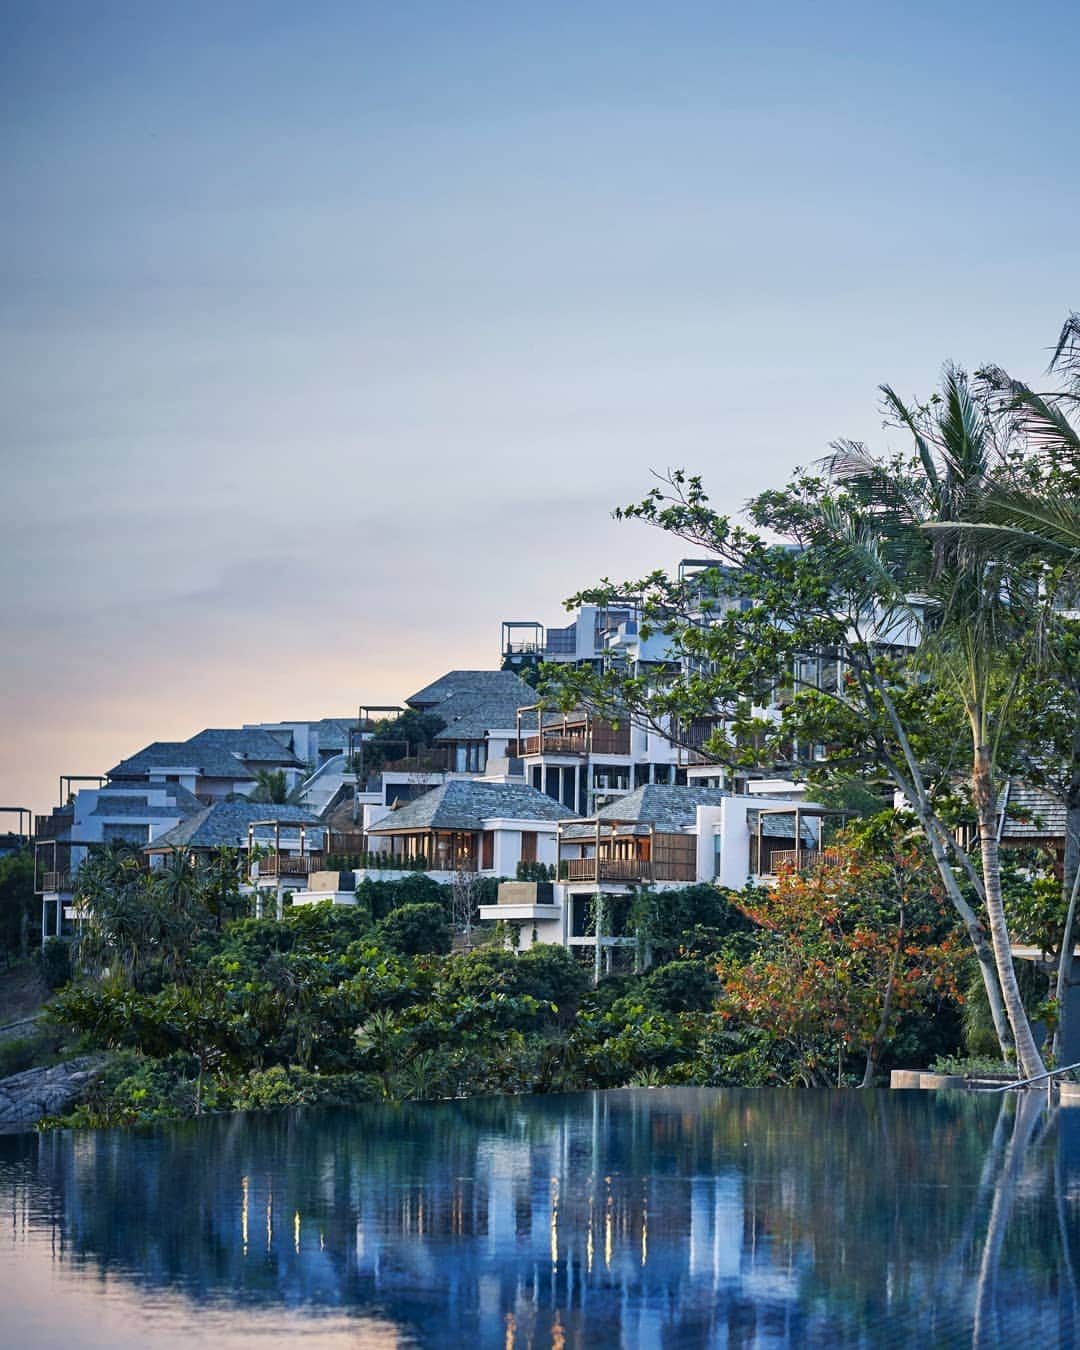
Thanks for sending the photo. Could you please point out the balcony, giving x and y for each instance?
(802, 860)
(636, 860)
(580, 739)
(284, 865)
(54, 882)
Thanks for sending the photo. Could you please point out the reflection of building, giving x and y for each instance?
(636, 1218)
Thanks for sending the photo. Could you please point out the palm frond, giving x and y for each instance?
(1066, 356)
(1037, 418)
(1025, 526)
(896, 405)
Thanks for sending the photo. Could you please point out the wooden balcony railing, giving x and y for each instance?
(806, 859)
(627, 870)
(598, 740)
(282, 865)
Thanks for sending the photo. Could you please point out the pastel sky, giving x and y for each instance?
(332, 332)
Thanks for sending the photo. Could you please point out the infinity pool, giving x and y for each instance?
(669, 1217)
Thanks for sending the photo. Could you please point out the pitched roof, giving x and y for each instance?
(464, 804)
(473, 702)
(211, 761)
(334, 732)
(1043, 814)
(217, 752)
(662, 805)
(178, 802)
(224, 825)
(246, 743)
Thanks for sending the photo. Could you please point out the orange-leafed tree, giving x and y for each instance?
(843, 951)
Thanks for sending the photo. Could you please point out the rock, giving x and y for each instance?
(26, 1097)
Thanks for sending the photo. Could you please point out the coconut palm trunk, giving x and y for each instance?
(986, 809)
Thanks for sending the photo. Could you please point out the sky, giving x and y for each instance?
(332, 333)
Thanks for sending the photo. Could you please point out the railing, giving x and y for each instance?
(57, 881)
(281, 865)
(1048, 1076)
(346, 841)
(600, 740)
(788, 859)
(611, 869)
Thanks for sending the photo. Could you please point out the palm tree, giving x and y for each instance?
(1031, 518)
(973, 609)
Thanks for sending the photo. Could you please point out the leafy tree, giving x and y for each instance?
(20, 908)
(270, 786)
(862, 577)
(682, 986)
(415, 929)
(845, 950)
(399, 738)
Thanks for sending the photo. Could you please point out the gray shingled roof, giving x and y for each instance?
(474, 702)
(1044, 814)
(247, 743)
(215, 753)
(208, 761)
(225, 825)
(464, 804)
(671, 810)
(334, 732)
(178, 802)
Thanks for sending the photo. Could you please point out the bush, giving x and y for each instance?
(682, 986)
(415, 930)
(28, 1052)
(280, 1087)
(54, 962)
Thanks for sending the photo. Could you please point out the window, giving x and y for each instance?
(488, 850)
(528, 846)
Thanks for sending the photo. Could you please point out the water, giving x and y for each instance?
(670, 1218)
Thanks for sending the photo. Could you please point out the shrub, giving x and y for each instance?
(54, 962)
(682, 986)
(28, 1052)
(414, 930)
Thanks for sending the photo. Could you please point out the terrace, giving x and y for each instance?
(776, 848)
(626, 852)
(578, 734)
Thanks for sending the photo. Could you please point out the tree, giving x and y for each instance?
(415, 929)
(741, 635)
(20, 909)
(843, 951)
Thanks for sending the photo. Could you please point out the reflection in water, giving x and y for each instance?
(636, 1218)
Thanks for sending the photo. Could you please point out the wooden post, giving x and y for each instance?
(599, 926)
(798, 837)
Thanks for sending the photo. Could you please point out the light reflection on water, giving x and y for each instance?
(674, 1217)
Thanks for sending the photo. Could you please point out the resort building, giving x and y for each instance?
(472, 826)
(115, 813)
(661, 838)
(585, 762)
(215, 764)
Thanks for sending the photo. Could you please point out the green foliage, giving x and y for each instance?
(413, 929)
(278, 1087)
(20, 908)
(535, 871)
(682, 986)
(54, 962)
(400, 737)
(39, 1048)
(697, 920)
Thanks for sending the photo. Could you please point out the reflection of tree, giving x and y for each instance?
(689, 1215)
